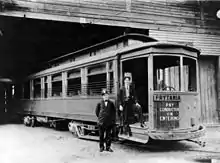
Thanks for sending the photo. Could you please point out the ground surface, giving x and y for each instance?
(20, 144)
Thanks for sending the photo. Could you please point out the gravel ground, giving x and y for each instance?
(20, 144)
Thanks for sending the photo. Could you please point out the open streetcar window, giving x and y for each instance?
(110, 81)
(73, 83)
(166, 73)
(57, 85)
(189, 74)
(45, 87)
(96, 79)
(37, 88)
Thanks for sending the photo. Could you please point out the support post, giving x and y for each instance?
(107, 77)
(31, 89)
(42, 88)
(64, 84)
(84, 80)
(49, 80)
(218, 88)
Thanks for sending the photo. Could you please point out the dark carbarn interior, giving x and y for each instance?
(26, 44)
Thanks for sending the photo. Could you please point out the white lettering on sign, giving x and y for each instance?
(168, 109)
(169, 104)
(173, 97)
(169, 118)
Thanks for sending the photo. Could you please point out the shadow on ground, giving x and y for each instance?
(166, 146)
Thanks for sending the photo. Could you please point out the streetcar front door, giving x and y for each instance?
(138, 68)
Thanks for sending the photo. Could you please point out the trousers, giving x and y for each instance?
(105, 136)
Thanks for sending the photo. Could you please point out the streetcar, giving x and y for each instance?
(165, 76)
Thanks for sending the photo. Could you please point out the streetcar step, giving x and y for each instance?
(131, 138)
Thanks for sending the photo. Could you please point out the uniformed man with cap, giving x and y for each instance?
(106, 113)
(127, 103)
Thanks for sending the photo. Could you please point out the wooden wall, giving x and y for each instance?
(208, 86)
(175, 15)
(208, 44)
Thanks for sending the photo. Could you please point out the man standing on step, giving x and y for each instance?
(106, 113)
(128, 104)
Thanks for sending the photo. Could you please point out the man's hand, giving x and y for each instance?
(138, 105)
(120, 108)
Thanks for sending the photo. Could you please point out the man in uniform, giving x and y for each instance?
(106, 113)
(127, 103)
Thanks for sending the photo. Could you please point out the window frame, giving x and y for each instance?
(33, 91)
(181, 56)
(68, 78)
(54, 81)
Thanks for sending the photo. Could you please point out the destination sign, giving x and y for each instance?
(167, 114)
(166, 97)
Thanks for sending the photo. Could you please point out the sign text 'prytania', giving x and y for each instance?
(160, 97)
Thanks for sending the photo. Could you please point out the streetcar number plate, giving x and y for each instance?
(91, 127)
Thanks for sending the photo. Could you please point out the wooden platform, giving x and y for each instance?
(139, 134)
(138, 125)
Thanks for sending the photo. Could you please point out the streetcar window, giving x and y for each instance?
(45, 87)
(166, 73)
(111, 83)
(96, 83)
(189, 74)
(57, 85)
(73, 83)
(37, 88)
(96, 79)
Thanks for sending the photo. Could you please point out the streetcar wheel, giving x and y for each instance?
(26, 121)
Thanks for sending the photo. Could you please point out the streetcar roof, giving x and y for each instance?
(158, 44)
(134, 36)
(5, 80)
(114, 53)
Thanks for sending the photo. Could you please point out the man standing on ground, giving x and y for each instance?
(106, 113)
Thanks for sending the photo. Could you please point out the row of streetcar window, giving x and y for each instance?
(166, 72)
(77, 82)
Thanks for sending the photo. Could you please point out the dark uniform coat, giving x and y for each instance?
(128, 104)
(106, 114)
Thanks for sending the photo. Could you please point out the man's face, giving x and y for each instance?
(127, 81)
(105, 97)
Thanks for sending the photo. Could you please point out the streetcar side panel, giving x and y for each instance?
(73, 109)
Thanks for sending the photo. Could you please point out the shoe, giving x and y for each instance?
(101, 149)
(109, 150)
